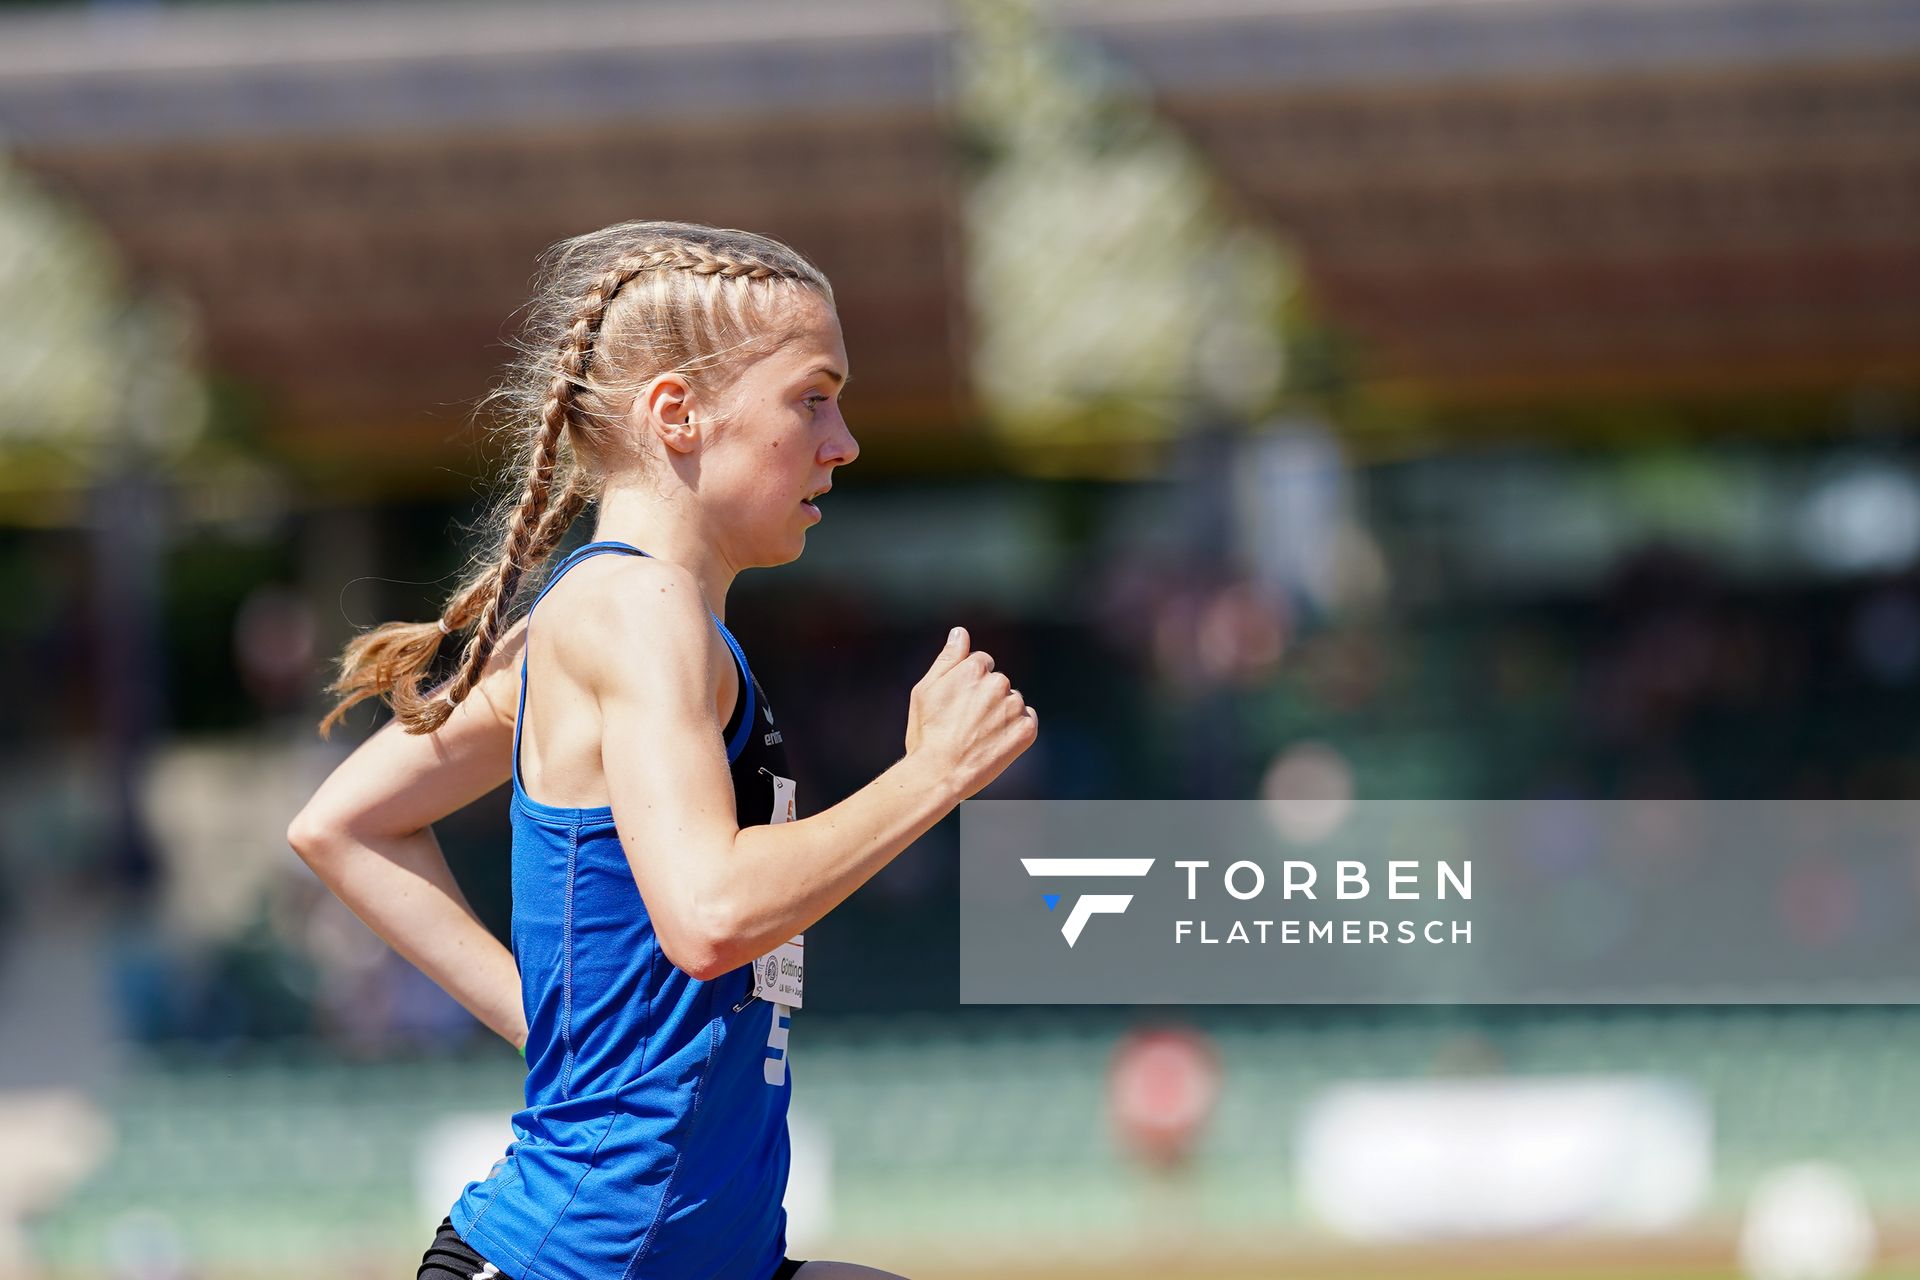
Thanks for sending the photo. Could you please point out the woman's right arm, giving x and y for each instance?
(368, 835)
(720, 896)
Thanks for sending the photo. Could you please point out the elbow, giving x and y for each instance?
(312, 837)
(702, 966)
(702, 944)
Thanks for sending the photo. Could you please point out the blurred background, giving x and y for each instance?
(1384, 398)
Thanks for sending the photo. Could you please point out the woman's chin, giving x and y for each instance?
(783, 553)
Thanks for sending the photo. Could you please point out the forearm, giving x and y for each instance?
(403, 890)
(782, 878)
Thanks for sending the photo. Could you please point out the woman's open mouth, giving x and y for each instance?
(807, 503)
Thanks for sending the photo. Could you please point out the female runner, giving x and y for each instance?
(686, 381)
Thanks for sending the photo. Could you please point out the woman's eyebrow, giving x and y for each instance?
(839, 378)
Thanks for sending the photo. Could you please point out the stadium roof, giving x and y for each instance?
(1502, 199)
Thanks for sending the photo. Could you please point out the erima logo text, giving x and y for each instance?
(1088, 905)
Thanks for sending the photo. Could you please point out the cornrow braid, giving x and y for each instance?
(684, 329)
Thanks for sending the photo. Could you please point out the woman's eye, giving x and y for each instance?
(814, 402)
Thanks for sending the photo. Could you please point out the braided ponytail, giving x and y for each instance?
(712, 301)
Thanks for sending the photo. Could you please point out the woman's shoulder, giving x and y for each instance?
(611, 608)
(617, 590)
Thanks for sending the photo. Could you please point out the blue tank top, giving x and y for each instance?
(654, 1137)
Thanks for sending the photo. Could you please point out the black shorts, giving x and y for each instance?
(449, 1258)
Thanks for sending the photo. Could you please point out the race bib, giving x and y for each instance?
(783, 789)
(779, 975)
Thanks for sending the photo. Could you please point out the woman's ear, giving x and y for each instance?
(664, 409)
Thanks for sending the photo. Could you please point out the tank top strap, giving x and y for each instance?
(611, 547)
(579, 554)
(745, 726)
(574, 557)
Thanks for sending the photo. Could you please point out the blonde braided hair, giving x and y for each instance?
(696, 301)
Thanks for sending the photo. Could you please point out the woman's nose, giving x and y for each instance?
(842, 448)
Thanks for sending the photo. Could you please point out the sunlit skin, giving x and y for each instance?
(723, 486)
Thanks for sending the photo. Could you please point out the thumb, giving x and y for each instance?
(948, 658)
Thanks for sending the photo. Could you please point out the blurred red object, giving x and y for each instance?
(1162, 1087)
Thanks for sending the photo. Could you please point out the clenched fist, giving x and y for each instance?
(968, 717)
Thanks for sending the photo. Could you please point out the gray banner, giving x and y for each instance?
(1439, 902)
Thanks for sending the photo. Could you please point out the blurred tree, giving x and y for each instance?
(1115, 301)
(99, 397)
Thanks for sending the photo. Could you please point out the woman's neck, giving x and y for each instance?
(667, 528)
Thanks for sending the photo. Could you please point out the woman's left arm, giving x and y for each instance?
(367, 833)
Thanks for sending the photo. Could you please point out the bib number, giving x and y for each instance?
(779, 977)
